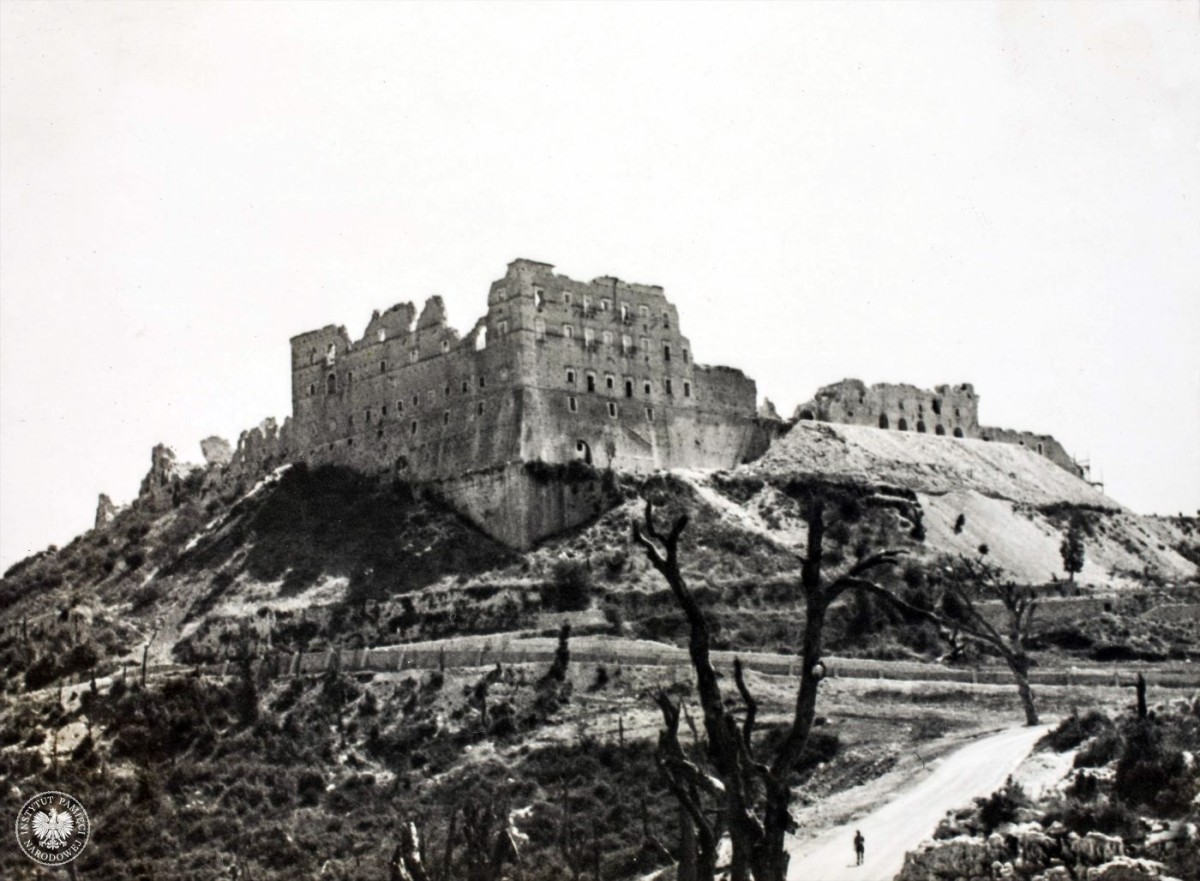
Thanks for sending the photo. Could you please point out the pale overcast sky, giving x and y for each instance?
(1004, 194)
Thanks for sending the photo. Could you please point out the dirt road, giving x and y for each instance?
(900, 825)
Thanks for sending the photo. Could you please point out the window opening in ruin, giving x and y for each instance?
(612, 409)
(605, 304)
(666, 351)
(539, 329)
(644, 312)
(939, 430)
(646, 387)
(447, 391)
(687, 389)
(666, 318)
(685, 356)
(1041, 449)
(399, 406)
(383, 367)
(902, 425)
(958, 432)
(431, 395)
(588, 336)
(464, 386)
(956, 413)
(416, 400)
(382, 335)
(607, 337)
(445, 417)
(414, 427)
(645, 341)
(483, 382)
(568, 332)
(572, 404)
(331, 353)
(883, 420)
(350, 421)
(445, 346)
(649, 414)
(368, 416)
(628, 388)
(806, 414)
(609, 381)
(312, 388)
(349, 441)
(479, 408)
(591, 382)
(502, 328)
(481, 339)
(570, 376)
(567, 298)
(624, 312)
(350, 377)
(312, 356)
(539, 297)
(413, 356)
(936, 404)
(383, 410)
(584, 450)
(669, 389)
(921, 425)
(587, 303)
(626, 344)
(331, 384)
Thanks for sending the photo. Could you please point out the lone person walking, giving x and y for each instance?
(860, 847)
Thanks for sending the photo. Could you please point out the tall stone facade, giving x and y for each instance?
(951, 410)
(556, 370)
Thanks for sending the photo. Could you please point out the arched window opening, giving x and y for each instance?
(940, 430)
(666, 351)
(687, 389)
(381, 336)
(383, 367)
(481, 339)
(445, 346)
(921, 425)
(958, 432)
(883, 420)
(331, 384)
(331, 354)
(806, 415)
(937, 406)
(591, 382)
(572, 404)
(902, 425)
(568, 332)
(646, 387)
(670, 389)
(583, 450)
(539, 297)
(649, 414)
(570, 376)
(629, 388)
(612, 409)
(312, 388)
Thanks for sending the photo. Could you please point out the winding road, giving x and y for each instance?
(977, 769)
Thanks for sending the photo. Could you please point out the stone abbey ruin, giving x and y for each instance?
(561, 380)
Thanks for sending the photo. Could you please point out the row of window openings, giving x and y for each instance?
(331, 388)
(415, 424)
(589, 338)
(610, 384)
(613, 411)
(539, 296)
(414, 355)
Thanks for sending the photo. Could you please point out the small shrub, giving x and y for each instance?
(1075, 729)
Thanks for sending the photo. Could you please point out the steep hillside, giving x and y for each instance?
(1011, 499)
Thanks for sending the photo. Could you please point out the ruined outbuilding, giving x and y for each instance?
(951, 410)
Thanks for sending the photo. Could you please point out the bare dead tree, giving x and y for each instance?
(962, 589)
(751, 788)
(408, 862)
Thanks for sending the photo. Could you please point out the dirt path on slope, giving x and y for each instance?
(908, 819)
